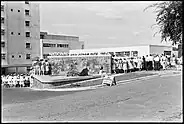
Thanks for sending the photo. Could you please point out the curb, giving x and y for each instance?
(100, 86)
(92, 87)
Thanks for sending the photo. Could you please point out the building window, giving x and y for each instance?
(12, 10)
(127, 53)
(13, 56)
(134, 53)
(2, 8)
(18, 33)
(20, 56)
(18, 10)
(28, 56)
(27, 34)
(26, 2)
(63, 45)
(167, 53)
(11, 33)
(3, 56)
(27, 12)
(2, 20)
(27, 23)
(41, 36)
(2, 44)
(119, 54)
(28, 45)
(49, 45)
(2, 31)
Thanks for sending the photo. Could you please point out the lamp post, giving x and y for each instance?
(41, 48)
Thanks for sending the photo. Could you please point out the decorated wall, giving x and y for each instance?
(64, 65)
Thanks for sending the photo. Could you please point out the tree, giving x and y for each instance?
(169, 20)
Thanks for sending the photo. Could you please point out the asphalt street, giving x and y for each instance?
(155, 99)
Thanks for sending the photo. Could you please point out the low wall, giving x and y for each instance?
(60, 64)
(41, 82)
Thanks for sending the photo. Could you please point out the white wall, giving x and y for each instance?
(157, 49)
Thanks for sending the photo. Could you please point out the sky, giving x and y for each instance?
(101, 24)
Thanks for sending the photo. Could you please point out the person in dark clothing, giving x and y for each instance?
(147, 66)
(50, 69)
(84, 72)
(143, 63)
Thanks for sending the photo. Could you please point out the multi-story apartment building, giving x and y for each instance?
(50, 43)
(20, 35)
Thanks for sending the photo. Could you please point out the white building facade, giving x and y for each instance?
(50, 43)
(131, 51)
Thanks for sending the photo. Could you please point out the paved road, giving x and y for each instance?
(23, 95)
(155, 99)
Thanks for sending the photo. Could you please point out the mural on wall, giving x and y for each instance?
(65, 65)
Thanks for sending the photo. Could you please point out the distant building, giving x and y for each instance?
(50, 43)
(20, 35)
(131, 51)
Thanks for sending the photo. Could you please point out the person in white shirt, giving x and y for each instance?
(120, 66)
(2, 79)
(125, 65)
(14, 80)
(156, 62)
(18, 80)
(38, 68)
(173, 61)
(42, 68)
(139, 63)
(21, 81)
(163, 62)
(6, 84)
(135, 61)
(31, 79)
(10, 81)
(181, 60)
(47, 67)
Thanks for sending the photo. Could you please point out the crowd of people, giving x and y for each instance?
(149, 62)
(119, 65)
(41, 67)
(13, 80)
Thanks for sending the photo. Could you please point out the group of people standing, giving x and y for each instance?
(41, 67)
(150, 62)
(14, 80)
(125, 65)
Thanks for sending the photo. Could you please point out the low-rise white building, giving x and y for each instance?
(130, 51)
(50, 43)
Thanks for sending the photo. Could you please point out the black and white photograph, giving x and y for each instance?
(91, 61)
